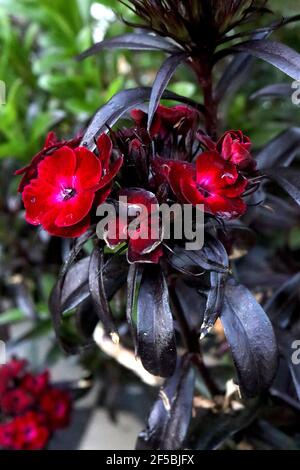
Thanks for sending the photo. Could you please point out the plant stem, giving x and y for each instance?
(192, 344)
(203, 71)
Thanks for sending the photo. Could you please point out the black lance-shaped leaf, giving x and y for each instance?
(284, 303)
(281, 56)
(118, 105)
(155, 331)
(132, 41)
(211, 257)
(133, 284)
(237, 71)
(161, 81)
(278, 90)
(214, 302)
(170, 416)
(98, 294)
(75, 287)
(251, 338)
(288, 179)
(281, 150)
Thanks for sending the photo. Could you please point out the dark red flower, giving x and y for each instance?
(35, 384)
(68, 182)
(8, 435)
(10, 371)
(51, 144)
(166, 119)
(16, 401)
(27, 432)
(144, 240)
(235, 147)
(31, 432)
(214, 182)
(55, 404)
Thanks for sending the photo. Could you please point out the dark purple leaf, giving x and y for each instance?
(86, 318)
(75, 287)
(161, 81)
(237, 72)
(284, 303)
(132, 41)
(192, 303)
(280, 151)
(281, 56)
(170, 416)
(155, 330)
(212, 429)
(117, 106)
(277, 90)
(98, 293)
(214, 302)
(211, 257)
(288, 179)
(251, 338)
(133, 284)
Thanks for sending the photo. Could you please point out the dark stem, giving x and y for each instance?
(203, 71)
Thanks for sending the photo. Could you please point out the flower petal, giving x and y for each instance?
(72, 210)
(38, 197)
(59, 167)
(104, 145)
(67, 232)
(88, 169)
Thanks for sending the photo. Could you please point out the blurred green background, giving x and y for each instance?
(47, 89)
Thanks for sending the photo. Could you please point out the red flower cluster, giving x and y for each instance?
(30, 408)
(215, 180)
(63, 182)
(179, 118)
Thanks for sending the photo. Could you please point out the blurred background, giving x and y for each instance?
(47, 89)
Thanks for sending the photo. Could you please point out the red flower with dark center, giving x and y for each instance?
(180, 118)
(16, 402)
(31, 432)
(55, 404)
(35, 384)
(144, 238)
(214, 183)
(51, 144)
(68, 182)
(27, 432)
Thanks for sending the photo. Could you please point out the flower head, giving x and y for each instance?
(144, 237)
(16, 401)
(51, 144)
(213, 182)
(55, 404)
(180, 118)
(67, 184)
(235, 147)
(26, 432)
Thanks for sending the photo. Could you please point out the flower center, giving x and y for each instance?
(68, 193)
